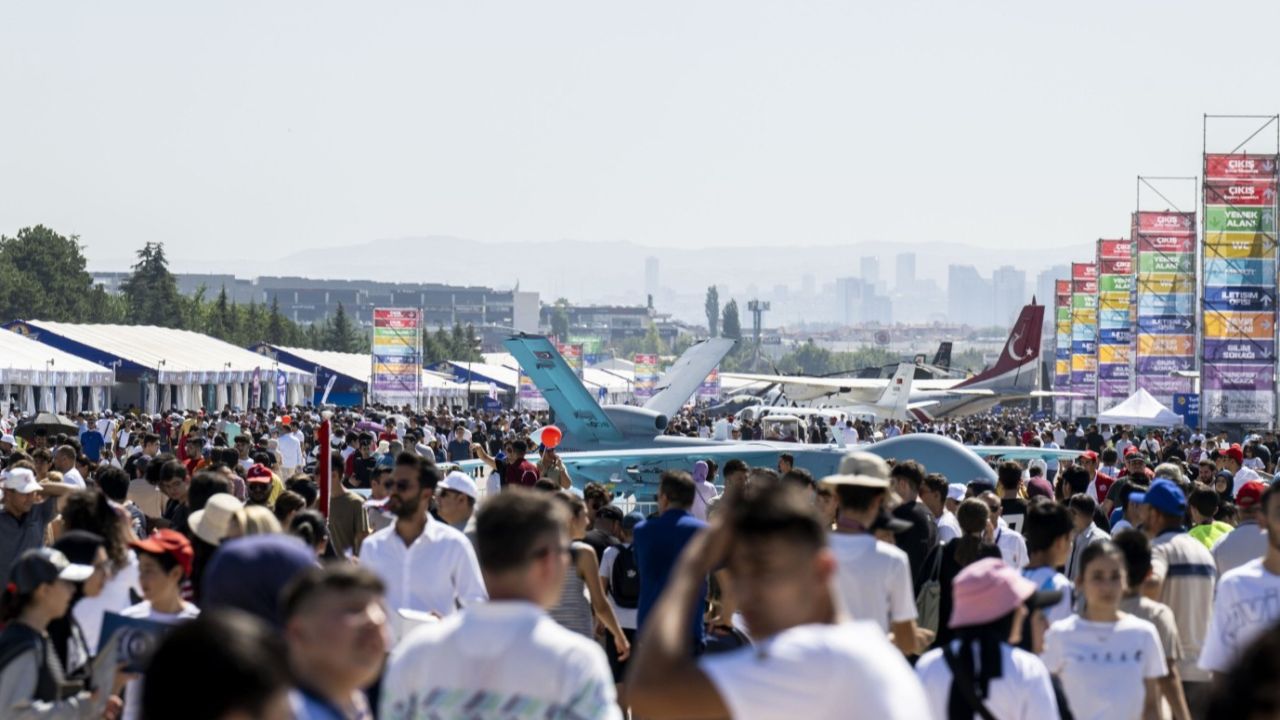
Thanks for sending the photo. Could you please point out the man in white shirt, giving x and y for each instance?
(289, 446)
(426, 565)
(805, 662)
(1248, 541)
(1013, 547)
(507, 652)
(1247, 600)
(873, 577)
(64, 461)
(934, 493)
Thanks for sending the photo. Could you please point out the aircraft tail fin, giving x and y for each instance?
(1016, 368)
(942, 359)
(897, 393)
(682, 379)
(576, 410)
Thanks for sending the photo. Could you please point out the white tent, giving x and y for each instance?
(1140, 409)
(191, 370)
(25, 363)
(360, 367)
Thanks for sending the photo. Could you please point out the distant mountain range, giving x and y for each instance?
(599, 271)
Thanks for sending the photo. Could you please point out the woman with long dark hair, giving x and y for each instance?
(91, 511)
(980, 669)
(974, 518)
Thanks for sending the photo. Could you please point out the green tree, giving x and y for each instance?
(653, 341)
(458, 342)
(444, 343)
(730, 325)
(560, 320)
(43, 276)
(276, 322)
(151, 292)
(252, 325)
(105, 307)
(315, 336)
(713, 310)
(342, 333)
(220, 324)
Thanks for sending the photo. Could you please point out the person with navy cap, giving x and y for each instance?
(1183, 575)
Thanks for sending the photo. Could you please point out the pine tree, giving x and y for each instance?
(151, 290)
(444, 343)
(560, 320)
(343, 336)
(219, 326)
(275, 323)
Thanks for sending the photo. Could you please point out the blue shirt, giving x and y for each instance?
(658, 543)
(91, 442)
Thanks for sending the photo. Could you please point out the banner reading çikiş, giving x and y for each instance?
(1238, 348)
(1166, 284)
(1084, 338)
(1062, 345)
(1115, 336)
(397, 356)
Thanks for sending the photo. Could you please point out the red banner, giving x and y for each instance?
(1166, 223)
(1114, 250)
(324, 469)
(1242, 193)
(1061, 287)
(1084, 271)
(1239, 166)
(1116, 267)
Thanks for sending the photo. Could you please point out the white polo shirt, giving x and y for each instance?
(873, 579)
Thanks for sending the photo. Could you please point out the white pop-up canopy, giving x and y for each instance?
(1140, 408)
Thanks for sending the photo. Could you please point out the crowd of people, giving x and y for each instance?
(1134, 578)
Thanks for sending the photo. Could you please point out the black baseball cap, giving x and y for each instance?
(43, 566)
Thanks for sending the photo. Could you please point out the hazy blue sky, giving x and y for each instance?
(267, 127)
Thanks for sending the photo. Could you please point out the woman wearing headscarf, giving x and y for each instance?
(980, 672)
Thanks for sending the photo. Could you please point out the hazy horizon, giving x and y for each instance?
(263, 130)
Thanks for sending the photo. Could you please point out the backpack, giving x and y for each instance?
(929, 599)
(624, 581)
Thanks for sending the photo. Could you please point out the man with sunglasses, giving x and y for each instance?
(427, 566)
(360, 464)
(508, 652)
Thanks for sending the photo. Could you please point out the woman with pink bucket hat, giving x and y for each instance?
(980, 673)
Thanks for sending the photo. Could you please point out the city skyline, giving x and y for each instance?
(282, 127)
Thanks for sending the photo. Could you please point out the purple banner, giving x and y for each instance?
(1163, 365)
(1253, 378)
(1245, 351)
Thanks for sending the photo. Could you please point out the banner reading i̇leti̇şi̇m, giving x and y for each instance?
(397, 356)
(1238, 352)
(1062, 346)
(1115, 336)
(1084, 338)
(1166, 278)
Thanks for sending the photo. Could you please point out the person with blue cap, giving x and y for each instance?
(1182, 576)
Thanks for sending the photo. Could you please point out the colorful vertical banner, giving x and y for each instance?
(646, 365)
(1115, 336)
(1084, 338)
(1238, 350)
(709, 390)
(527, 392)
(397, 357)
(572, 355)
(1062, 346)
(1166, 289)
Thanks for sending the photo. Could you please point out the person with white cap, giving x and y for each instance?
(873, 578)
(982, 669)
(32, 684)
(29, 507)
(7, 443)
(456, 499)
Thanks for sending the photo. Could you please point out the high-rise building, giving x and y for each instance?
(968, 296)
(1009, 293)
(808, 286)
(870, 270)
(848, 300)
(651, 276)
(904, 271)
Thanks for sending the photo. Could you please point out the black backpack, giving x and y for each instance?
(624, 581)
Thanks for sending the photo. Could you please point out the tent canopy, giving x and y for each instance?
(1140, 408)
(175, 356)
(24, 361)
(359, 366)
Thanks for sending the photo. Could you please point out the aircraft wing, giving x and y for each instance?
(832, 386)
(577, 411)
(682, 379)
(1055, 393)
(1020, 452)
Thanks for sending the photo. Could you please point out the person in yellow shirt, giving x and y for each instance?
(1204, 504)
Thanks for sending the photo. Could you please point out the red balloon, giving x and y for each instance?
(551, 436)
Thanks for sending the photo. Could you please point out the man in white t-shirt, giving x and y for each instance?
(1013, 548)
(934, 493)
(164, 561)
(507, 652)
(64, 461)
(1248, 541)
(873, 577)
(1233, 461)
(1247, 600)
(805, 663)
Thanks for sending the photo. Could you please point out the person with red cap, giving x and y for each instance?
(1245, 604)
(1248, 541)
(983, 667)
(1233, 462)
(164, 560)
(1099, 483)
